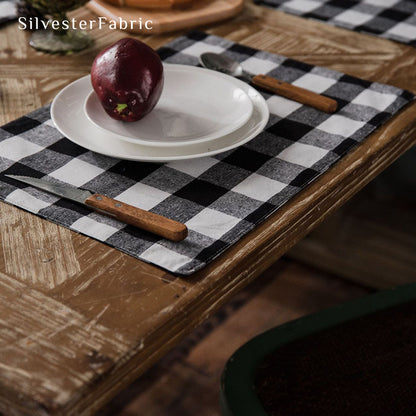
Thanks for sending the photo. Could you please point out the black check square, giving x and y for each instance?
(220, 198)
(165, 53)
(247, 159)
(201, 192)
(304, 178)
(379, 119)
(242, 50)
(21, 125)
(355, 81)
(66, 147)
(395, 15)
(344, 147)
(343, 4)
(301, 66)
(260, 213)
(71, 206)
(196, 35)
(134, 170)
(23, 170)
(289, 129)
(211, 251)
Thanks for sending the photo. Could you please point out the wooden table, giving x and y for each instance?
(79, 320)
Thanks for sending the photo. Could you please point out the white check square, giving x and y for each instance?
(201, 47)
(385, 4)
(353, 18)
(303, 6)
(24, 200)
(374, 99)
(315, 83)
(76, 172)
(281, 106)
(93, 228)
(212, 223)
(403, 30)
(49, 123)
(143, 196)
(193, 168)
(340, 125)
(302, 154)
(8, 8)
(259, 187)
(164, 257)
(15, 148)
(258, 66)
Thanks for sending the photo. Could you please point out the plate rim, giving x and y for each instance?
(212, 136)
(161, 159)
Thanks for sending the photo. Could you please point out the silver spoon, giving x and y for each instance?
(231, 67)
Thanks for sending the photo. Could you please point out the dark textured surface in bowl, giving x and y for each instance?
(357, 359)
(363, 367)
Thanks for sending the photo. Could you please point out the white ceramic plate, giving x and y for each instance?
(69, 118)
(196, 105)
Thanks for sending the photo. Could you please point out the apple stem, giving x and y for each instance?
(121, 107)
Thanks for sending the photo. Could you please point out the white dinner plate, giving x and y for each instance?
(68, 115)
(196, 105)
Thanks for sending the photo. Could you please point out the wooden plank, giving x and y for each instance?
(37, 335)
(54, 257)
(142, 310)
(284, 292)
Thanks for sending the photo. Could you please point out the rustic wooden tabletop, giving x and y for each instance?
(80, 320)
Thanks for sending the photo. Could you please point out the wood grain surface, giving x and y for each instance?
(79, 320)
(153, 21)
(284, 292)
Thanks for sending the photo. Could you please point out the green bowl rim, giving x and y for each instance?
(237, 395)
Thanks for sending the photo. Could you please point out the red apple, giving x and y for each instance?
(128, 79)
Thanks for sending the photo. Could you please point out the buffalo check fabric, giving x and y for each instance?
(7, 10)
(219, 198)
(392, 19)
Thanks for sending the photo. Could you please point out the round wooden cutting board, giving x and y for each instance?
(200, 12)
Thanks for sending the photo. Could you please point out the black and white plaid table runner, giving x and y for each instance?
(220, 198)
(7, 10)
(392, 19)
